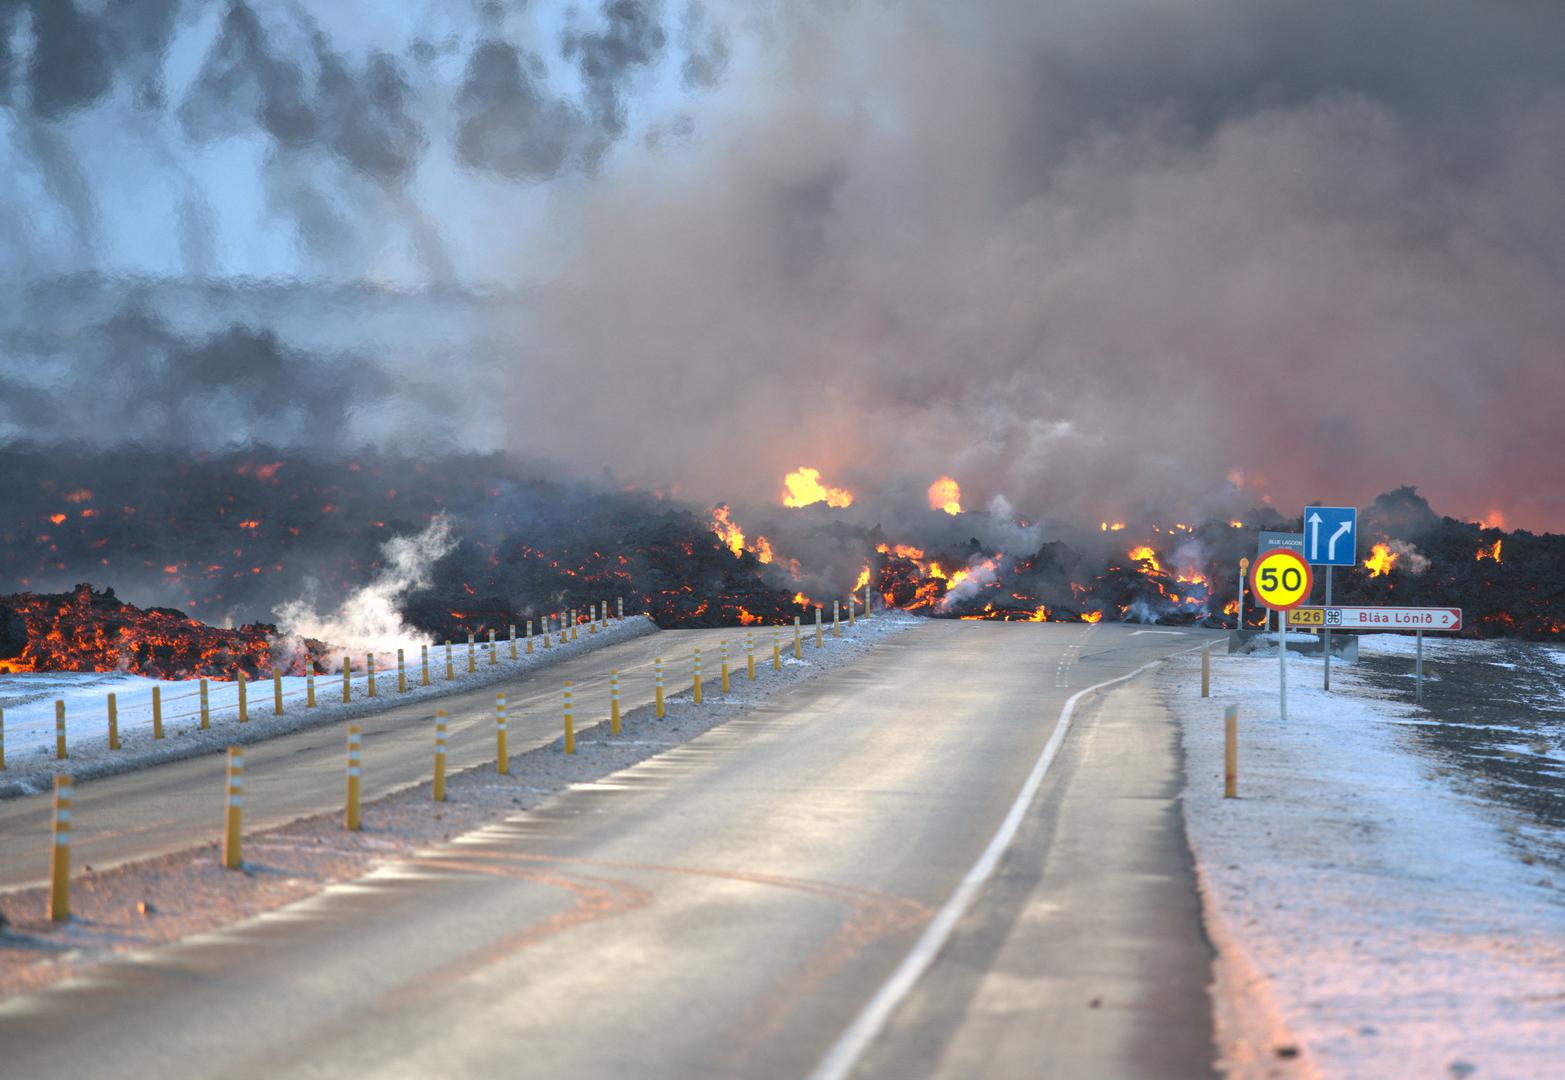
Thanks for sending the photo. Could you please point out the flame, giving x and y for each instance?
(1146, 555)
(1490, 551)
(747, 618)
(1091, 616)
(946, 494)
(58, 519)
(863, 579)
(1231, 608)
(1494, 520)
(1381, 560)
(803, 487)
(1104, 526)
(901, 551)
(802, 600)
(1236, 524)
(728, 531)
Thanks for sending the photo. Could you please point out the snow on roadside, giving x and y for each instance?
(1380, 916)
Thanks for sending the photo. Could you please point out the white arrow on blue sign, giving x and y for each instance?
(1331, 535)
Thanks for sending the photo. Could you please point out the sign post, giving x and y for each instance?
(1244, 568)
(1418, 620)
(1282, 581)
(1330, 539)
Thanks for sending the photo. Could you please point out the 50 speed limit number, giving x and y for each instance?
(1281, 579)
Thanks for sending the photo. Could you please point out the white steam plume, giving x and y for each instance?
(370, 620)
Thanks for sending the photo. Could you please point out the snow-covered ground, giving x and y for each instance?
(28, 704)
(1371, 907)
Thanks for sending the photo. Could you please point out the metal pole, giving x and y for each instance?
(1326, 633)
(1282, 659)
(1419, 667)
(1244, 565)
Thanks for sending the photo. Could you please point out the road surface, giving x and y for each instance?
(731, 907)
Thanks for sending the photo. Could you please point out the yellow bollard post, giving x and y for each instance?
(369, 668)
(244, 705)
(1206, 672)
(819, 641)
(502, 759)
(423, 664)
(60, 851)
(309, 683)
(749, 654)
(614, 701)
(440, 756)
(528, 631)
(836, 619)
(350, 815)
(472, 656)
(114, 724)
(277, 690)
(1231, 752)
(494, 654)
(776, 648)
(570, 724)
(853, 602)
(157, 718)
(232, 807)
(798, 640)
(513, 641)
(573, 624)
(619, 607)
(592, 618)
(724, 646)
(206, 712)
(2, 738)
(59, 730)
(657, 669)
(402, 673)
(695, 686)
(547, 631)
(450, 671)
(347, 678)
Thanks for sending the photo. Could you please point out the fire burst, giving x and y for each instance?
(1490, 551)
(1381, 560)
(946, 494)
(803, 487)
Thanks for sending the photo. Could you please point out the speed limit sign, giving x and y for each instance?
(1281, 579)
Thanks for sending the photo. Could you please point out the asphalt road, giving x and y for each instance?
(730, 908)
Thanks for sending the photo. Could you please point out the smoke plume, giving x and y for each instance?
(1103, 261)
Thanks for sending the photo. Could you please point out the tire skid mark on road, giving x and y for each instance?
(872, 916)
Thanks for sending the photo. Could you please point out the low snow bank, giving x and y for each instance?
(1364, 912)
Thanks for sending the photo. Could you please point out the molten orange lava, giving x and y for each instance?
(1381, 560)
(803, 487)
(945, 494)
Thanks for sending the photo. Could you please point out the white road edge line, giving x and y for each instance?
(851, 1044)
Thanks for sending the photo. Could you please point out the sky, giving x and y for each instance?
(1094, 258)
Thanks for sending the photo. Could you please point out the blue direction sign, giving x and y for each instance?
(1331, 535)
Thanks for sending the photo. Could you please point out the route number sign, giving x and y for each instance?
(1281, 579)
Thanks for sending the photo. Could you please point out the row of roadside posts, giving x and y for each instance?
(1282, 579)
(64, 788)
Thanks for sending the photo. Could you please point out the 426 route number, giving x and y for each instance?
(1281, 579)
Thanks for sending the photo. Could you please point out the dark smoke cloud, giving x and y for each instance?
(1101, 260)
